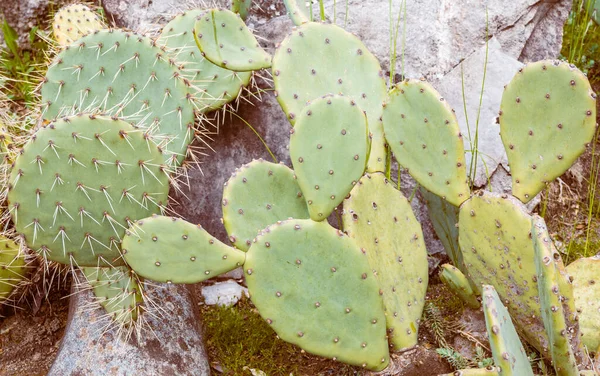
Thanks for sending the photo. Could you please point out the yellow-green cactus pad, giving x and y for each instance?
(73, 22)
(459, 284)
(586, 284)
(13, 267)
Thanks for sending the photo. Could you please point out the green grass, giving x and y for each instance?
(581, 39)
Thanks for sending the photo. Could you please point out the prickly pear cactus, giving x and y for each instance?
(458, 283)
(379, 218)
(557, 302)
(119, 292)
(329, 148)
(171, 250)
(488, 371)
(242, 7)
(297, 11)
(259, 194)
(547, 117)
(13, 267)
(225, 40)
(318, 59)
(315, 288)
(507, 350)
(212, 85)
(494, 237)
(423, 133)
(79, 183)
(123, 74)
(586, 285)
(73, 22)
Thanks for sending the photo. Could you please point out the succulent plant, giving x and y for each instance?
(423, 133)
(74, 21)
(13, 267)
(297, 11)
(242, 7)
(123, 74)
(79, 183)
(212, 85)
(459, 284)
(225, 40)
(329, 148)
(487, 371)
(380, 219)
(172, 250)
(318, 59)
(259, 194)
(547, 117)
(315, 288)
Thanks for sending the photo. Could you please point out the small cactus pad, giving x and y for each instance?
(13, 267)
(458, 283)
(556, 300)
(73, 22)
(423, 133)
(318, 59)
(487, 371)
(259, 194)
(507, 350)
(586, 285)
(241, 7)
(596, 11)
(79, 183)
(212, 85)
(118, 291)
(444, 217)
(225, 40)
(382, 223)
(123, 74)
(494, 237)
(315, 288)
(297, 11)
(171, 250)
(329, 148)
(547, 117)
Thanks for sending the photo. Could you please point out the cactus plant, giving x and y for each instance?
(212, 85)
(118, 291)
(423, 133)
(487, 371)
(242, 7)
(225, 40)
(172, 250)
(557, 303)
(314, 286)
(73, 21)
(586, 285)
(547, 117)
(259, 194)
(318, 59)
(458, 283)
(382, 223)
(123, 74)
(297, 11)
(13, 267)
(79, 183)
(329, 147)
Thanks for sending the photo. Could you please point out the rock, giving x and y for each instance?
(23, 15)
(471, 322)
(417, 361)
(174, 346)
(223, 293)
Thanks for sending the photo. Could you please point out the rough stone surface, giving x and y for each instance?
(226, 293)
(472, 323)
(417, 361)
(22, 15)
(175, 348)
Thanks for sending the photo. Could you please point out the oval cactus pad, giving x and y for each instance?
(73, 22)
(586, 286)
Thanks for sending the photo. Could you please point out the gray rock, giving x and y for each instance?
(23, 15)
(226, 293)
(174, 346)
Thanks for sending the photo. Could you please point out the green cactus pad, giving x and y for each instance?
(123, 74)
(596, 11)
(212, 85)
(171, 250)
(297, 11)
(423, 133)
(318, 59)
(458, 283)
(444, 217)
(241, 7)
(547, 117)
(79, 183)
(13, 267)
(225, 40)
(507, 350)
(315, 288)
(329, 148)
(73, 22)
(259, 194)
(382, 223)
(488, 371)
(557, 302)
(118, 291)
(494, 237)
(586, 285)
